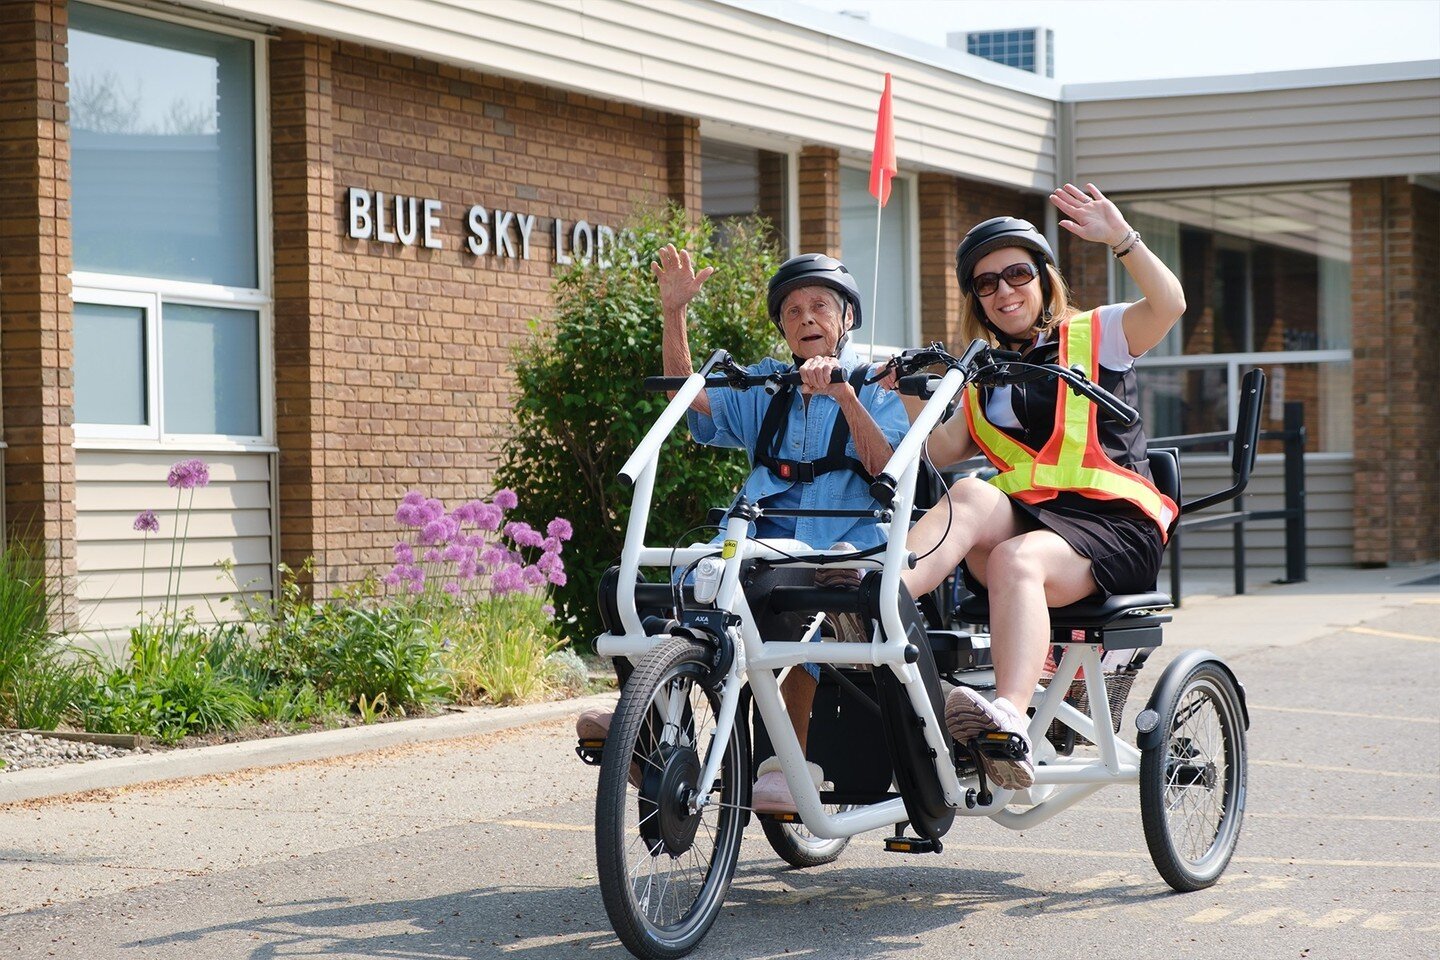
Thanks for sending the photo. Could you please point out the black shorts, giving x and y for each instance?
(1123, 545)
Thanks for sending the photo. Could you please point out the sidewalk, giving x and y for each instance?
(1270, 615)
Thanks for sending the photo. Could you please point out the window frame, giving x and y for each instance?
(724, 133)
(125, 290)
(910, 184)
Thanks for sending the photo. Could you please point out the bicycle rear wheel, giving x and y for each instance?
(1192, 782)
(664, 869)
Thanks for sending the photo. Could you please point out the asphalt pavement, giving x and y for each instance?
(477, 842)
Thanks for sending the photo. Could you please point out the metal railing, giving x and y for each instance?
(1292, 433)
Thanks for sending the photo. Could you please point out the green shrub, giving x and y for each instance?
(38, 675)
(387, 654)
(170, 686)
(496, 652)
(582, 409)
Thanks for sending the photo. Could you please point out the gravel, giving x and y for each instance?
(25, 751)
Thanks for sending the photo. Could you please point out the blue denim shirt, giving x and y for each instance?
(734, 421)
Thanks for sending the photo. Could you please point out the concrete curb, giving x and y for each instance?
(230, 757)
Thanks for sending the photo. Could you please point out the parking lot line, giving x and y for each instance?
(1392, 634)
(1341, 713)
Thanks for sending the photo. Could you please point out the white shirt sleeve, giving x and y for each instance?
(1114, 347)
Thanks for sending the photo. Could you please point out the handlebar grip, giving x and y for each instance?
(1118, 410)
(793, 378)
(917, 385)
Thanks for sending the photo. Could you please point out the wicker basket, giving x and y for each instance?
(1117, 690)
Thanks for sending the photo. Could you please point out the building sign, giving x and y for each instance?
(507, 234)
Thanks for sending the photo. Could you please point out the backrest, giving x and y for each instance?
(1247, 423)
(1165, 472)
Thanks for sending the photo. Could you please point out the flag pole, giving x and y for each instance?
(882, 168)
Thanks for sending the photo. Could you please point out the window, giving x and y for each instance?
(172, 312)
(1266, 274)
(739, 182)
(894, 320)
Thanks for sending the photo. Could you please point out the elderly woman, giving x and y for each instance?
(1086, 521)
(811, 449)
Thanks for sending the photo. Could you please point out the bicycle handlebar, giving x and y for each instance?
(738, 381)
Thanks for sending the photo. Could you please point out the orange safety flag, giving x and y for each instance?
(882, 161)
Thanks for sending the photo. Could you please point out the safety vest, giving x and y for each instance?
(1073, 458)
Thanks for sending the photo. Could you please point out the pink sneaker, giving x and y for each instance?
(968, 714)
(771, 794)
(594, 724)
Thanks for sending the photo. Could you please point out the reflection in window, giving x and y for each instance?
(891, 316)
(110, 364)
(211, 370)
(162, 121)
(739, 182)
(1263, 270)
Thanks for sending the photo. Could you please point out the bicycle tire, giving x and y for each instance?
(1192, 782)
(650, 852)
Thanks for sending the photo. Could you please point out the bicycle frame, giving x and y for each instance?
(1060, 782)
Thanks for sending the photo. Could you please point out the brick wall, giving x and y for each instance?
(36, 320)
(1394, 236)
(819, 175)
(302, 188)
(415, 348)
(948, 208)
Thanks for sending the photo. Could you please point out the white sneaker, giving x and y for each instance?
(968, 714)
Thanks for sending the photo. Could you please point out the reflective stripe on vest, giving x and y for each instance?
(1073, 458)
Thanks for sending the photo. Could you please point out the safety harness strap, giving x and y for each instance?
(771, 439)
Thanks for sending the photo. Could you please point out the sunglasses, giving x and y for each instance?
(1017, 275)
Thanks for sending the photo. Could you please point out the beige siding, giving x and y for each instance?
(1381, 127)
(726, 63)
(231, 520)
(1329, 518)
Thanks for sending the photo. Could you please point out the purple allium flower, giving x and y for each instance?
(188, 474)
(494, 556)
(434, 531)
(551, 545)
(413, 498)
(467, 569)
(393, 578)
(147, 522)
(404, 553)
(549, 561)
(507, 579)
(411, 514)
(548, 609)
(434, 509)
(523, 534)
(456, 552)
(415, 574)
(557, 577)
(434, 555)
(506, 499)
(415, 586)
(533, 576)
(487, 516)
(560, 529)
(452, 588)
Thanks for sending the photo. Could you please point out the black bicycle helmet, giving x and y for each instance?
(992, 235)
(813, 270)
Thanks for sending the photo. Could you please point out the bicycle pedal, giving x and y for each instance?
(912, 845)
(999, 745)
(780, 817)
(590, 751)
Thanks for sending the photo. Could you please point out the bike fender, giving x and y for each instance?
(1171, 679)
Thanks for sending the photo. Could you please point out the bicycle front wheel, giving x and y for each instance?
(664, 862)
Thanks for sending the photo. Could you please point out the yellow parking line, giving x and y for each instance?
(1294, 765)
(1392, 634)
(1342, 713)
(542, 825)
(1273, 815)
